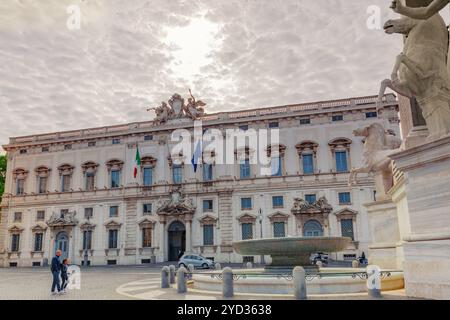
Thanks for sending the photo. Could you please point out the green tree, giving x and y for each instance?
(2, 173)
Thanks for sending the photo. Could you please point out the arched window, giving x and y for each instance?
(340, 149)
(312, 228)
(42, 175)
(89, 172)
(115, 169)
(307, 152)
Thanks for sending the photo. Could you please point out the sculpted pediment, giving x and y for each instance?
(176, 205)
(62, 219)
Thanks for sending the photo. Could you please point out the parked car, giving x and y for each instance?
(319, 256)
(196, 260)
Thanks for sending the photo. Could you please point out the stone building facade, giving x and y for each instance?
(76, 190)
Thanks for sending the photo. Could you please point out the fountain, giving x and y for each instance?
(291, 251)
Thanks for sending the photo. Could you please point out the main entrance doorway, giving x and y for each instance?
(62, 243)
(177, 240)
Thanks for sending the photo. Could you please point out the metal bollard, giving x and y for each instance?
(299, 283)
(249, 265)
(181, 280)
(217, 266)
(355, 264)
(227, 283)
(191, 270)
(374, 281)
(165, 277)
(172, 274)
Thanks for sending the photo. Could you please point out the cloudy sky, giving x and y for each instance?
(132, 54)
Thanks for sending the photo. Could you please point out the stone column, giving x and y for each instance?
(299, 283)
(162, 239)
(188, 235)
(227, 283)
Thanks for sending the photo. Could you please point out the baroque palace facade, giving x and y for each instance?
(76, 190)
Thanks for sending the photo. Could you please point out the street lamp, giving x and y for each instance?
(261, 223)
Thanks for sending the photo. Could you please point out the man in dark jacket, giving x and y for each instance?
(56, 271)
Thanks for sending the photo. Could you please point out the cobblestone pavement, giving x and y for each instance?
(113, 283)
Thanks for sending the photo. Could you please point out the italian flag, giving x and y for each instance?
(137, 162)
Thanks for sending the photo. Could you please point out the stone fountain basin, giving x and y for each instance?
(291, 251)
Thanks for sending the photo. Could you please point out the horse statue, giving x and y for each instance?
(420, 70)
(378, 146)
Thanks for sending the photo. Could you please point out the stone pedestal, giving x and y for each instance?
(384, 230)
(422, 197)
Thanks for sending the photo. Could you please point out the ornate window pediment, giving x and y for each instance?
(281, 148)
(306, 146)
(246, 218)
(112, 224)
(148, 161)
(278, 217)
(114, 164)
(15, 228)
(208, 219)
(87, 226)
(65, 169)
(89, 167)
(146, 222)
(42, 171)
(39, 227)
(346, 213)
(20, 173)
(340, 143)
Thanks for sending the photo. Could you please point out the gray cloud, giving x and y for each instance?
(268, 52)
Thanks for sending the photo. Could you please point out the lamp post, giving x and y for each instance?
(85, 244)
(261, 223)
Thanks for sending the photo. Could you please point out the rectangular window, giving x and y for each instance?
(68, 147)
(347, 228)
(23, 151)
(341, 161)
(243, 128)
(112, 239)
(115, 179)
(38, 239)
(148, 177)
(344, 198)
(91, 144)
(310, 198)
(246, 203)
(15, 242)
(17, 216)
(208, 235)
(113, 211)
(115, 141)
(20, 188)
(308, 163)
(247, 231)
(45, 149)
(338, 117)
(371, 114)
(207, 205)
(244, 169)
(40, 215)
(147, 209)
(304, 121)
(42, 185)
(65, 183)
(207, 172)
(177, 173)
(277, 201)
(146, 237)
(273, 124)
(148, 137)
(349, 257)
(88, 213)
(275, 164)
(90, 181)
(87, 240)
(279, 230)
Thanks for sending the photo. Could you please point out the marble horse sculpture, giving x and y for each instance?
(378, 145)
(420, 70)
